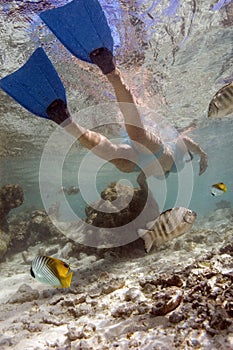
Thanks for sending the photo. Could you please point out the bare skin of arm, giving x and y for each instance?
(165, 163)
(157, 168)
(121, 155)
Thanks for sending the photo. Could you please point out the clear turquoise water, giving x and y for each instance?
(187, 64)
(216, 140)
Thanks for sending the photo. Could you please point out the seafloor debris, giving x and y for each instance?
(115, 197)
(28, 228)
(24, 294)
(167, 301)
(114, 220)
(189, 307)
(162, 280)
(11, 196)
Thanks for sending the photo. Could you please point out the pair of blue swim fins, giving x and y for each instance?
(82, 27)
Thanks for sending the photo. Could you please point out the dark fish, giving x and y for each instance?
(170, 224)
(52, 271)
(70, 190)
(222, 102)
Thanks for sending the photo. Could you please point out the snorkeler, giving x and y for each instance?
(38, 88)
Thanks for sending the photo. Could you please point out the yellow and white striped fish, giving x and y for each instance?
(168, 225)
(222, 102)
(52, 271)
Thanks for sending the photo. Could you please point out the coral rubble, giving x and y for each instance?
(11, 196)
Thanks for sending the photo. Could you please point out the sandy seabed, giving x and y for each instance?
(177, 297)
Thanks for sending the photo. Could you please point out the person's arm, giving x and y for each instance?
(195, 148)
(121, 155)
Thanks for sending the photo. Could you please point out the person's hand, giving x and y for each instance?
(203, 163)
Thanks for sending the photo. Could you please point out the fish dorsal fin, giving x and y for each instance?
(168, 211)
(176, 212)
(61, 267)
(150, 224)
(141, 232)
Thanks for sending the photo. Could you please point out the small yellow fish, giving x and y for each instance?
(218, 189)
(170, 224)
(52, 271)
(222, 102)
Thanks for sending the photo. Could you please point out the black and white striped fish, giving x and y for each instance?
(168, 225)
(52, 271)
(222, 102)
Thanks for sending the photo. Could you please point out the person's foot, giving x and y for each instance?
(104, 59)
(58, 112)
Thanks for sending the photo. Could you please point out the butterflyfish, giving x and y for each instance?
(171, 223)
(51, 271)
(218, 189)
(222, 102)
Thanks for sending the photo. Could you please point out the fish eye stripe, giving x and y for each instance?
(188, 217)
(32, 273)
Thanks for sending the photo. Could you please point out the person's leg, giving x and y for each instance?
(133, 123)
(121, 155)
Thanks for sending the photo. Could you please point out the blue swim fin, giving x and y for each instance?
(35, 85)
(81, 26)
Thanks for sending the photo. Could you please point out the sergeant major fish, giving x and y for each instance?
(52, 271)
(170, 224)
(222, 102)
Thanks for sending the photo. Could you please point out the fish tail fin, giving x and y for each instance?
(147, 236)
(66, 281)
